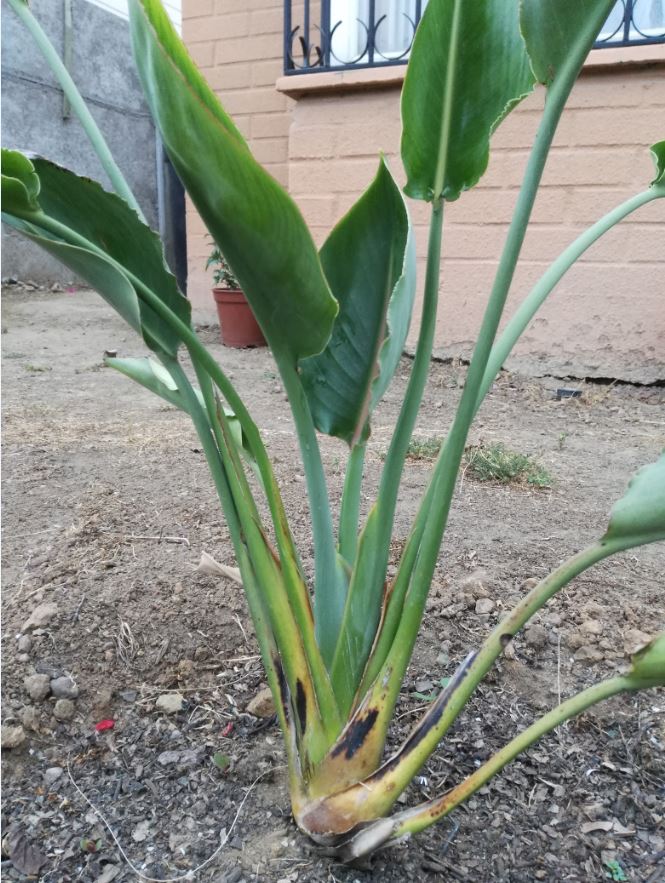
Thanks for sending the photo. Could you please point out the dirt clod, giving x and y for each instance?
(40, 617)
(12, 737)
(485, 605)
(263, 704)
(536, 636)
(64, 710)
(37, 686)
(169, 703)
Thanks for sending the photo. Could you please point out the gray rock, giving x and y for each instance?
(64, 688)
(170, 703)
(484, 605)
(23, 657)
(48, 668)
(12, 737)
(166, 758)
(424, 685)
(24, 644)
(185, 758)
(37, 687)
(64, 710)
(52, 775)
(41, 616)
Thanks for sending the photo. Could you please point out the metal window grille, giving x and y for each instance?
(329, 35)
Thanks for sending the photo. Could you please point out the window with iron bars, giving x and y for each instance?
(328, 35)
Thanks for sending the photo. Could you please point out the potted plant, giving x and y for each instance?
(237, 324)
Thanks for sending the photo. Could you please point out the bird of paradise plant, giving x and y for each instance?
(336, 652)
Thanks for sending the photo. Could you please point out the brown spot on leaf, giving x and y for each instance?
(355, 735)
(301, 705)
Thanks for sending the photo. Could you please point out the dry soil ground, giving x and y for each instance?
(107, 506)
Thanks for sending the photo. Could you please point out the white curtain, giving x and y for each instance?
(649, 18)
(648, 21)
(392, 37)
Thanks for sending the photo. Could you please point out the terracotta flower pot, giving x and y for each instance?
(237, 324)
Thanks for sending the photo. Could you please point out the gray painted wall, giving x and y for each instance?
(32, 113)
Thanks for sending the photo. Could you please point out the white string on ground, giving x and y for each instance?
(189, 875)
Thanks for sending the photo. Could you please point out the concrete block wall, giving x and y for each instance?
(607, 316)
(33, 120)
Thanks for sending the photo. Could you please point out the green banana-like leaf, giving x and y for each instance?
(156, 378)
(648, 664)
(468, 69)
(98, 236)
(256, 224)
(639, 516)
(658, 154)
(560, 32)
(20, 183)
(370, 262)
(152, 376)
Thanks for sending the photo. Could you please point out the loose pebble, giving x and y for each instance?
(633, 640)
(40, 617)
(12, 737)
(37, 686)
(170, 703)
(262, 705)
(24, 644)
(64, 688)
(64, 710)
(484, 605)
(52, 775)
(30, 718)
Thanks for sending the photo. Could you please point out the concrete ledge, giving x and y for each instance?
(297, 85)
(336, 82)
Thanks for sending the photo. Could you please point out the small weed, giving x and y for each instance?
(497, 463)
(561, 441)
(424, 448)
(36, 369)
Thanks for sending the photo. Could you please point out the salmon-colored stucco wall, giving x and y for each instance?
(606, 318)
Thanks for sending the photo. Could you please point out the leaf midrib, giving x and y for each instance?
(447, 109)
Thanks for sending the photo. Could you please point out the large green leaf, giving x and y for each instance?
(560, 32)
(98, 236)
(255, 223)
(468, 69)
(369, 260)
(639, 516)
